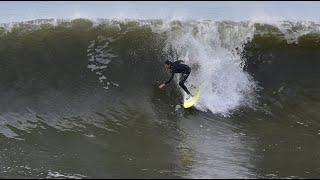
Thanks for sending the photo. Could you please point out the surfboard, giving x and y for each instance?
(190, 102)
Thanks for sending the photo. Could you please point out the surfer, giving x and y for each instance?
(178, 67)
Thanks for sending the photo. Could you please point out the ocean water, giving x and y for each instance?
(80, 97)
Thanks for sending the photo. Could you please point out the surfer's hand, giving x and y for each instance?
(162, 85)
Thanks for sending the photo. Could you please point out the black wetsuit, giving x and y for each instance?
(185, 70)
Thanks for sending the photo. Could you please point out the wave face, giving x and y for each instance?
(100, 79)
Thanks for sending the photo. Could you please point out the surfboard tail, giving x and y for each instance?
(192, 101)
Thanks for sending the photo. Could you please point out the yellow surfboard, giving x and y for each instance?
(190, 102)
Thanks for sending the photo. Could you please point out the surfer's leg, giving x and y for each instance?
(181, 83)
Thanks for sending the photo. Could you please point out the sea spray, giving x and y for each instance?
(213, 50)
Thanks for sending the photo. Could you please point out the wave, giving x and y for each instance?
(233, 62)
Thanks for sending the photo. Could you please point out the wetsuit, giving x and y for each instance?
(185, 70)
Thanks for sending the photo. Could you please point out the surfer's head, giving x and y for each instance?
(168, 64)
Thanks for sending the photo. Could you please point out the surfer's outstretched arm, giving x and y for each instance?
(166, 83)
(171, 77)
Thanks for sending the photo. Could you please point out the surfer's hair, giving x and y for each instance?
(168, 62)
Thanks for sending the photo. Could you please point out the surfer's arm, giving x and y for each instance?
(171, 77)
